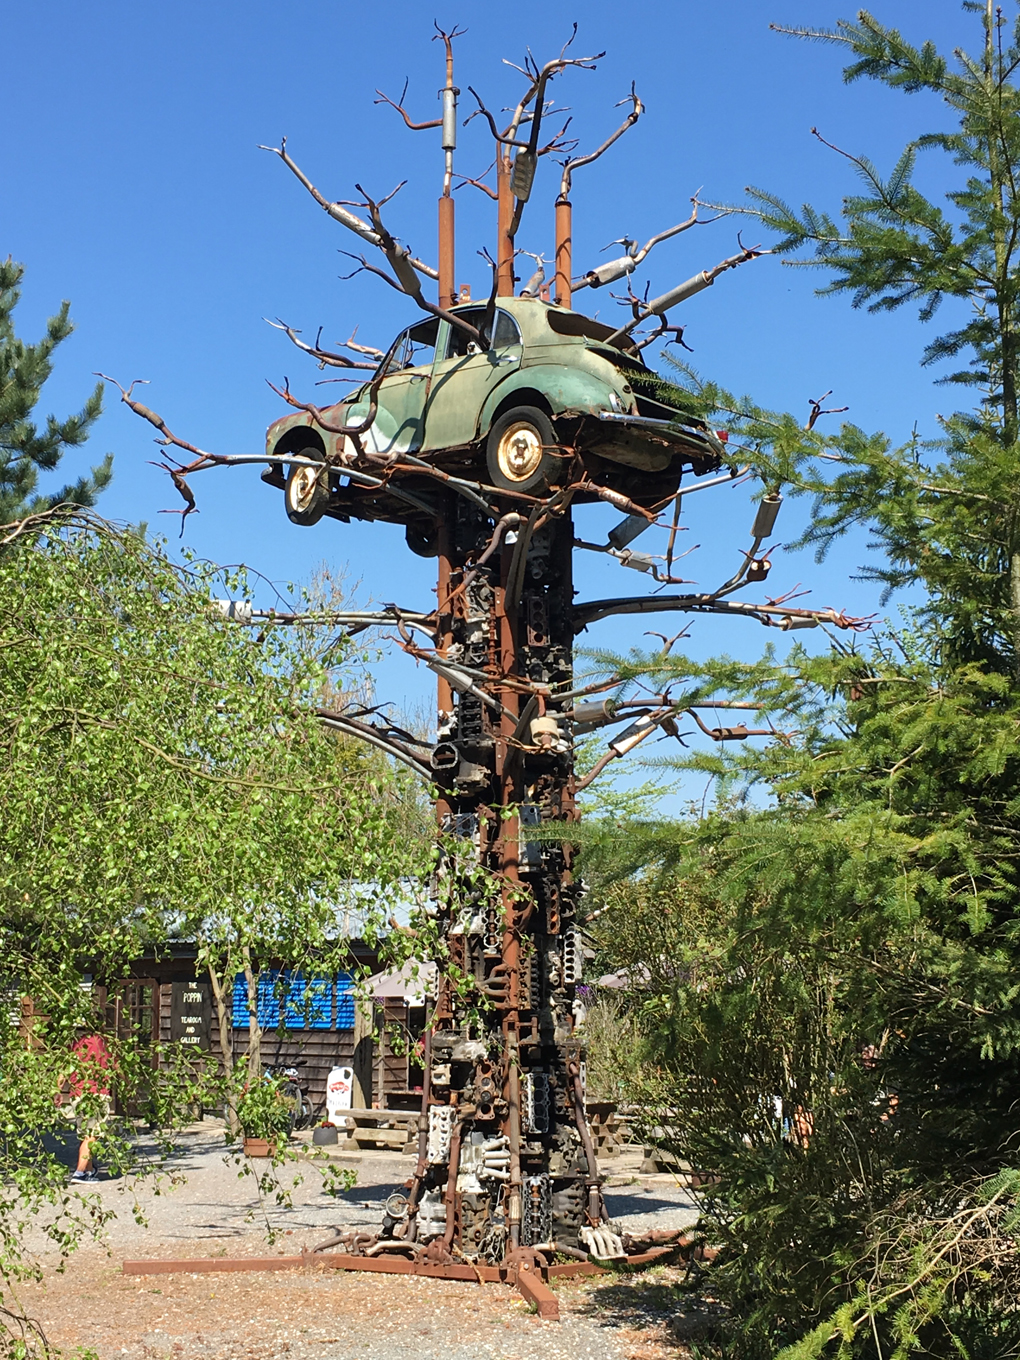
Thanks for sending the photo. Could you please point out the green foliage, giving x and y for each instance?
(826, 962)
(262, 1109)
(25, 450)
(896, 246)
(162, 777)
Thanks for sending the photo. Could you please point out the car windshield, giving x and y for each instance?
(416, 348)
(460, 343)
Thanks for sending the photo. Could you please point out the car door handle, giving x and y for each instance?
(418, 377)
(507, 359)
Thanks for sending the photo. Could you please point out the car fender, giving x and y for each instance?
(564, 389)
(287, 434)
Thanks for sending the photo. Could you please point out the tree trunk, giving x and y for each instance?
(254, 1028)
(224, 1020)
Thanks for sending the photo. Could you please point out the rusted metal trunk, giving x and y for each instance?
(503, 1047)
(504, 220)
(447, 268)
(564, 252)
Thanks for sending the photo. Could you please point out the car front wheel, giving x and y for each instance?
(307, 493)
(517, 450)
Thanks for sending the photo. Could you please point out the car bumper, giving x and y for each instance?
(685, 434)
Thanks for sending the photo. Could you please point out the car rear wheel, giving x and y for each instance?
(517, 450)
(307, 493)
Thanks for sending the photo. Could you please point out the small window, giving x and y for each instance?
(460, 344)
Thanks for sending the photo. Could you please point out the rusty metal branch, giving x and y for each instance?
(816, 409)
(635, 255)
(466, 179)
(770, 615)
(677, 333)
(576, 162)
(338, 211)
(538, 78)
(693, 221)
(660, 305)
(324, 356)
(639, 730)
(399, 106)
(315, 412)
(737, 733)
(459, 321)
(366, 732)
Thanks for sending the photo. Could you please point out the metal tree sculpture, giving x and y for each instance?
(506, 1174)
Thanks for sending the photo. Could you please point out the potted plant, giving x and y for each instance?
(264, 1117)
(324, 1134)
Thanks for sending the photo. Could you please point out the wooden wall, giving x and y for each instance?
(321, 1049)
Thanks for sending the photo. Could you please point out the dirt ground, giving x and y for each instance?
(326, 1314)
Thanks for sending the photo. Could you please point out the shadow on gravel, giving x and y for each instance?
(660, 1307)
(374, 1194)
(622, 1205)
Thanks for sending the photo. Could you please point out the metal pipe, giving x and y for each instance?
(423, 1139)
(447, 271)
(444, 618)
(451, 1183)
(463, 684)
(393, 751)
(504, 219)
(594, 610)
(564, 252)
(589, 1148)
(514, 1207)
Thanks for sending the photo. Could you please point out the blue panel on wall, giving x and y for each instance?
(309, 1002)
(267, 1001)
(344, 1001)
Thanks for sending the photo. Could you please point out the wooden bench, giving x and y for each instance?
(384, 1128)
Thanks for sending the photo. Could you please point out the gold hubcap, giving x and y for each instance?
(520, 452)
(302, 487)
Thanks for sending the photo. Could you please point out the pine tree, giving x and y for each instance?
(26, 450)
(895, 246)
(829, 981)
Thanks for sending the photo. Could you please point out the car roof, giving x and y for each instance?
(537, 318)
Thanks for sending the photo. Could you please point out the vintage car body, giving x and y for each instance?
(443, 401)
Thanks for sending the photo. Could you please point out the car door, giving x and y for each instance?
(398, 424)
(464, 375)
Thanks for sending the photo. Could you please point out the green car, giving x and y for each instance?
(547, 404)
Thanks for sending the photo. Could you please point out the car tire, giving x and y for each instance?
(423, 538)
(306, 495)
(516, 450)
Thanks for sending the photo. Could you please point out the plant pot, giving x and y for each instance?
(259, 1147)
(324, 1135)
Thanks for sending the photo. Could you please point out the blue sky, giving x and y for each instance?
(132, 185)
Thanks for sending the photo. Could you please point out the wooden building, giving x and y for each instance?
(309, 1022)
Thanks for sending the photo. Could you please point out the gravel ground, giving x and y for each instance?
(207, 1208)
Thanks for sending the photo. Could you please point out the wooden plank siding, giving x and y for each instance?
(322, 1049)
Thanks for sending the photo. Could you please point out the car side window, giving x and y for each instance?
(416, 348)
(507, 331)
(460, 344)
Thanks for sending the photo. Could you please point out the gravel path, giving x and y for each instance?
(206, 1208)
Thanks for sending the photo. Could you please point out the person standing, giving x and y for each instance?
(86, 1094)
